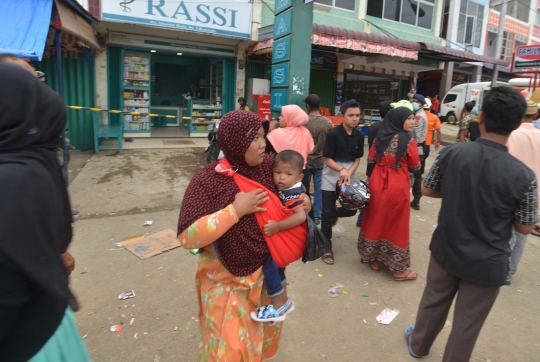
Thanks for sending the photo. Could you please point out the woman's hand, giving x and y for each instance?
(307, 202)
(248, 203)
(69, 262)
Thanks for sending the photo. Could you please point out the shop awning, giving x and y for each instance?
(75, 25)
(331, 36)
(24, 27)
(446, 54)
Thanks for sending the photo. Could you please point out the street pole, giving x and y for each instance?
(498, 43)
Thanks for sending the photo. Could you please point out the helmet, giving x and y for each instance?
(428, 104)
(354, 196)
(403, 103)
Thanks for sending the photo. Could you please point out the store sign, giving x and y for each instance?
(282, 24)
(169, 44)
(280, 75)
(278, 99)
(527, 56)
(281, 50)
(282, 5)
(220, 17)
(322, 59)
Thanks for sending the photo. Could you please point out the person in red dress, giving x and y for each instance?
(384, 235)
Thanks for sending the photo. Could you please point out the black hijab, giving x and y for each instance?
(392, 125)
(35, 213)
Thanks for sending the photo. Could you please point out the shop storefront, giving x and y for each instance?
(173, 81)
(170, 89)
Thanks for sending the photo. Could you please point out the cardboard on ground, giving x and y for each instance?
(148, 245)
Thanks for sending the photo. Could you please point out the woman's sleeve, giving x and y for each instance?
(208, 229)
(372, 156)
(413, 160)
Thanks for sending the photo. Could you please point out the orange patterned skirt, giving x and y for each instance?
(225, 301)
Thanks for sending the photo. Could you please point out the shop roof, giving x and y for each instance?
(359, 35)
(442, 53)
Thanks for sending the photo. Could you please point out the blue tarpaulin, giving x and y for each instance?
(24, 27)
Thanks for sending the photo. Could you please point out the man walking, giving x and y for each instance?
(485, 192)
(434, 126)
(435, 105)
(524, 144)
(466, 119)
(420, 130)
(342, 151)
(318, 126)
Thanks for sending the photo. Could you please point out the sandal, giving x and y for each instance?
(328, 258)
(536, 231)
(269, 314)
(372, 265)
(409, 276)
(408, 333)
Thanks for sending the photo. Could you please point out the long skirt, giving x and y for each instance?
(225, 301)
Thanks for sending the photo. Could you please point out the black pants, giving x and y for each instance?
(330, 214)
(417, 185)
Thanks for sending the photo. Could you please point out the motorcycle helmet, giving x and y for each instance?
(354, 196)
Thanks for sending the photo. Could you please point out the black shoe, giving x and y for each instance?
(415, 205)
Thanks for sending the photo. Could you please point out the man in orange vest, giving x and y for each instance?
(434, 125)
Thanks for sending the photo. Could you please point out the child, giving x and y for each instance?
(288, 177)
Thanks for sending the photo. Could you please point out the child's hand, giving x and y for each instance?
(271, 228)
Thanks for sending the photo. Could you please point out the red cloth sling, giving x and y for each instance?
(285, 246)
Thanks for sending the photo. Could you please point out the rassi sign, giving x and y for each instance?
(527, 56)
(221, 17)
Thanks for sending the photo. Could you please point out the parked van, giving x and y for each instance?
(524, 84)
(455, 99)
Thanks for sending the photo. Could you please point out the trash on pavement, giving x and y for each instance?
(116, 328)
(333, 292)
(127, 295)
(135, 336)
(153, 243)
(118, 245)
(365, 295)
(86, 335)
(387, 315)
(148, 223)
(175, 328)
(321, 275)
(131, 321)
(194, 251)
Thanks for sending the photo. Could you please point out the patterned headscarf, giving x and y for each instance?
(242, 249)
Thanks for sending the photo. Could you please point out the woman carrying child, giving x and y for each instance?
(217, 217)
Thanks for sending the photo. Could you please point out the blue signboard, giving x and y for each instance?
(282, 5)
(281, 50)
(282, 24)
(278, 98)
(280, 75)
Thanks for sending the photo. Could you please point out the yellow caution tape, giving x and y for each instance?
(169, 116)
(75, 107)
(134, 113)
(96, 109)
(153, 115)
(115, 111)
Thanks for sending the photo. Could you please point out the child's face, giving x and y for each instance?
(286, 175)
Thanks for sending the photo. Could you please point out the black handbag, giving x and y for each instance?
(316, 244)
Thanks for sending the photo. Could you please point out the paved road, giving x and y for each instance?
(116, 194)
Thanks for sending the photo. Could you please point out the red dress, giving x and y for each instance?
(384, 235)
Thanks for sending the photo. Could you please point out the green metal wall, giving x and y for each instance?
(321, 82)
(228, 92)
(77, 92)
(257, 70)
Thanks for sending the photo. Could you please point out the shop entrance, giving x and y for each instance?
(166, 94)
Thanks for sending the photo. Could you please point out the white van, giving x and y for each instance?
(524, 84)
(455, 99)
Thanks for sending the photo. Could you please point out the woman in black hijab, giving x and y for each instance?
(384, 235)
(35, 225)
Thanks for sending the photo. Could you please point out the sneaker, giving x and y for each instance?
(415, 205)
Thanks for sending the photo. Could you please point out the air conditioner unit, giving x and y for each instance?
(493, 29)
(521, 39)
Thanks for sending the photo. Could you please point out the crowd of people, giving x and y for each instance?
(246, 214)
